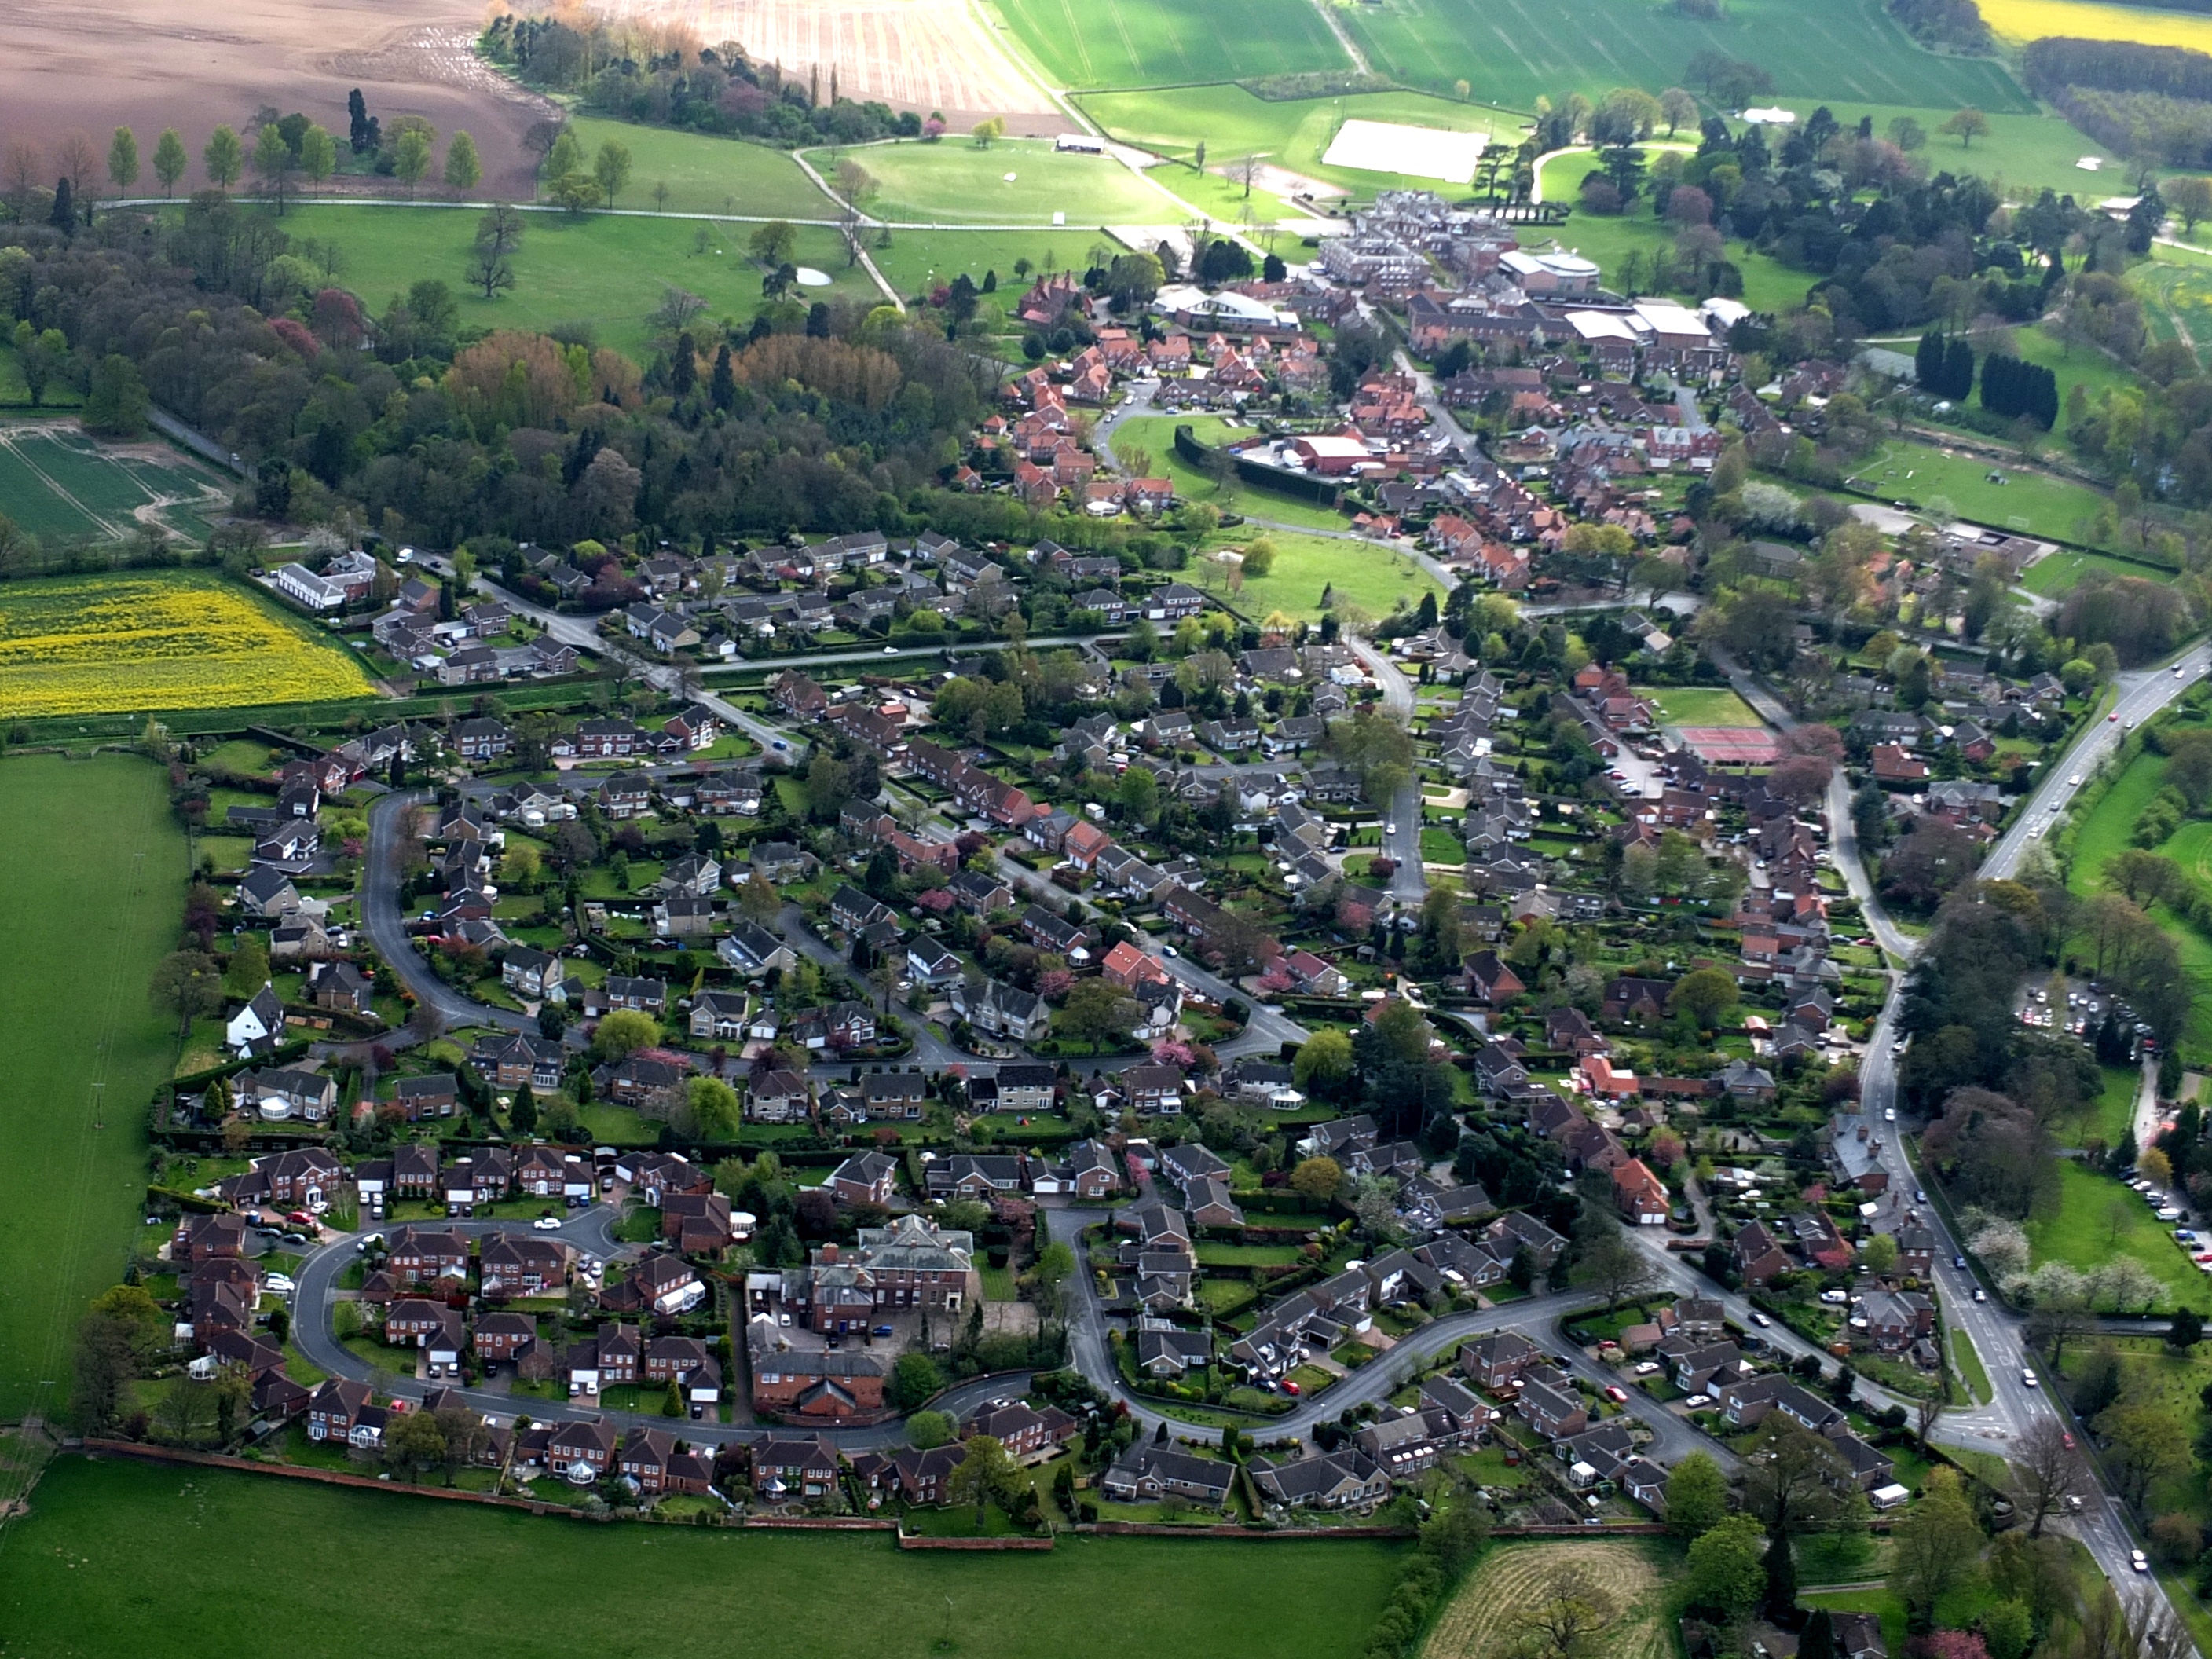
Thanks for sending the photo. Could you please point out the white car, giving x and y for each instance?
(547, 1224)
(1980, 1295)
(1761, 1320)
(1389, 829)
(2074, 782)
(279, 1285)
(890, 651)
(1889, 1114)
(1835, 1299)
(1647, 1367)
(2027, 1377)
(1698, 1401)
(2137, 1560)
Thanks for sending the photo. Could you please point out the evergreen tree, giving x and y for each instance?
(1927, 362)
(1781, 1579)
(522, 1111)
(64, 217)
(722, 389)
(684, 366)
(1819, 1641)
(1958, 370)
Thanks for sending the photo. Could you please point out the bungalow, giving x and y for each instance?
(1147, 1473)
(1348, 1478)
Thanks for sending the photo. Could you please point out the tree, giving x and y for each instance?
(1794, 1481)
(575, 192)
(2142, 1443)
(491, 264)
(2190, 196)
(1318, 1178)
(463, 168)
(1723, 1571)
(1936, 1545)
(772, 243)
(758, 900)
(522, 1111)
(1697, 1496)
(926, 1430)
(410, 158)
(1571, 1619)
(412, 1443)
(1818, 1640)
(914, 1377)
(1612, 1265)
(188, 984)
(169, 163)
(1140, 795)
(248, 970)
(985, 1476)
(1706, 993)
(123, 160)
(273, 161)
(2044, 1468)
(2186, 1331)
(622, 1033)
(610, 169)
(1097, 1011)
(1966, 126)
(224, 158)
(1323, 1061)
(318, 155)
(115, 402)
(106, 1361)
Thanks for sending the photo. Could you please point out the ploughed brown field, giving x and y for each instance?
(68, 67)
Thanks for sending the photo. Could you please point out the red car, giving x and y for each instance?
(301, 1218)
(1616, 1394)
(1289, 1387)
(2068, 1438)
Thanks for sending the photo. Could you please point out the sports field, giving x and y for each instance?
(126, 643)
(1513, 51)
(1151, 43)
(2056, 573)
(56, 482)
(953, 182)
(2034, 503)
(1231, 122)
(119, 1558)
(95, 876)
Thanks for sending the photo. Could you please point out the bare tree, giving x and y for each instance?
(78, 160)
(1571, 1621)
(1925, 1411)
(20, 168)
(2044, 1468)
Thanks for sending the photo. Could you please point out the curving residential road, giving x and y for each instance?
(1409, 884)
(590, 1231)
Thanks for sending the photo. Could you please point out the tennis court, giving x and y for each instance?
(1729, 745)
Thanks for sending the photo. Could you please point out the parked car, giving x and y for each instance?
(547, 1224)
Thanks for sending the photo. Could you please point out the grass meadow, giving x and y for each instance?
(599, 268)
(2108, 829)
(1624, 1580)
(123, 1558)
(2056, 573)
(1703, 705)
(2097, 1218)
(1515, 53)
(1364, 573)
(1155, 435)
(706, 174)
(96, 868)
(1151, 43)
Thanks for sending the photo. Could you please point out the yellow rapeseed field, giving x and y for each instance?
(126, 644)
(2021, 20)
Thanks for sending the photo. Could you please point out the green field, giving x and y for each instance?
(955, 183)
(1702, 705)
(2056, 573)
(2109, 829)
(2079, 1232)
(96, 869)
(918, 260)
(2034, 503)
(1232, 122)
(709, 175)
(1369, 575)
(601, 268)
(56, 482)
(2022, 152)
(1515, 53)
(119, 1558)
(1768, 284)
(1155, 435)
(1151, 43)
